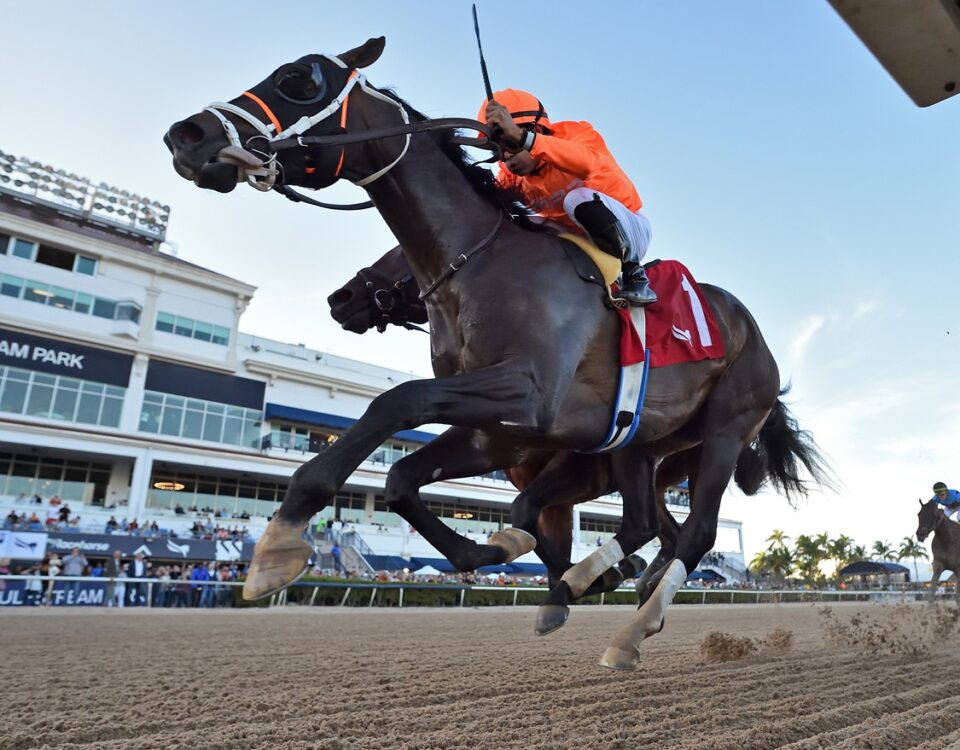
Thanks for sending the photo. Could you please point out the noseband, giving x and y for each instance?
(388, 298)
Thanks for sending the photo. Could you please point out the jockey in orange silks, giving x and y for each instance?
(564, 172)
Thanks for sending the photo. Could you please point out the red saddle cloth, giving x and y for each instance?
(681, 326)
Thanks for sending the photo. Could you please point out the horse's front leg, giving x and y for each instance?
(671, 471)
(633, 476)
(935, 574)
(459, 452)
(567, 479)
(718, 457)
(481, 399)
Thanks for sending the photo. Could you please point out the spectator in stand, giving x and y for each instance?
(37, 499)
(111, 526)
(33, 591)
(74, 524)
(133, 527)
(73, 565)
(64, 512)
(178, 510)
(136, 570)
(53, 515)
(11, 521)
(200, 573)
(336, 552)
(33, 523)
(96, 570)
(183, 589)
(55, 500)
(152, 529)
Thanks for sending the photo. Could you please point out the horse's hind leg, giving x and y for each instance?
(731, 422)
(459, 452)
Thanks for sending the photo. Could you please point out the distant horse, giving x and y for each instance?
(518, 369)
(945, 544)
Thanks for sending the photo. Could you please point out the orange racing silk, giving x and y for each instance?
(575, 155)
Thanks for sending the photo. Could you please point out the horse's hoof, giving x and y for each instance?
(279, 559)
(514, 542)
(551, 617)
(620, 659)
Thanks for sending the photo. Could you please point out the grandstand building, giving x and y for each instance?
(129, 390)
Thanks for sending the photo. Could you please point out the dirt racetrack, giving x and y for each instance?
(480, 679)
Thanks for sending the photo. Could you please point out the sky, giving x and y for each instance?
(774, 155)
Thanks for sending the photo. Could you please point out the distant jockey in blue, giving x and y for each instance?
(949, 499)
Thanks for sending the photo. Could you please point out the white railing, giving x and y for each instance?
(720, 596)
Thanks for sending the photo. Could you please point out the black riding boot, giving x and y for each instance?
(604, 229)
(635, 286)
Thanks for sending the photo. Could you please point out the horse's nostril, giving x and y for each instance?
(339, 297)
(186, 133)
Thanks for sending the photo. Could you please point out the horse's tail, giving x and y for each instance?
(779, 453)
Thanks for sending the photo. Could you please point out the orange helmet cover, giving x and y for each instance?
(524, 107)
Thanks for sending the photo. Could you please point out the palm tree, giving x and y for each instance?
(807, 556)
(777, 538)
(858, 552)
(779, 561)
(911, 549)
(839, 550)
(759, 564)
(883, 551)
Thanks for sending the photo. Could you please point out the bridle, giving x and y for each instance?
(264, 177)
(388, 297)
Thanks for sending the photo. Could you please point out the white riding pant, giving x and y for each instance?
(635, 225)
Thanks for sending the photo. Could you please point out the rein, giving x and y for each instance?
(463, 258)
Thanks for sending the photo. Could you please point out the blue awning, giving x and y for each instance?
(706, 575)
(322, 419)
(872, 567)
(388, 562)
(440, 563)
(529, 569)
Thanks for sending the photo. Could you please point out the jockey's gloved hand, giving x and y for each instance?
(498, 116)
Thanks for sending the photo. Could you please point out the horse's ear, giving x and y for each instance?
(364, 55)
(920, 501)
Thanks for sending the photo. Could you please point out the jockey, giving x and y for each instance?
(949, 499)
(564, 172)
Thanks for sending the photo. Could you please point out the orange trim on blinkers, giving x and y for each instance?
(343, 123)
(266, 110)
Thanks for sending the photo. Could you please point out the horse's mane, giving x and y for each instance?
(481, 179)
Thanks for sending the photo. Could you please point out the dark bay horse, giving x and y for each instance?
(945, 544)
(517, 372)
(359, 305)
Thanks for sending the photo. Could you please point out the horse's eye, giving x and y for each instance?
(300, 83)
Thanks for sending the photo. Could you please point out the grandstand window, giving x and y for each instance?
(74, 481)
(11, 286)
(23, 249)
(227, 496)
(176, 416)
(67, 299)
(85, 265)
(38, 394)
(54, 256)
(192, 329)
(4, 241)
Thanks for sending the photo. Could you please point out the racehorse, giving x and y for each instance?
(388, 287)
(945, 544)
(517, 371)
